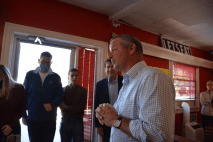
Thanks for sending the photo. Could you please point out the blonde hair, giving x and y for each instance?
(8, 82)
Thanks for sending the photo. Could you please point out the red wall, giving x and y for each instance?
(201, 54)
(156, 62)
(60, 17)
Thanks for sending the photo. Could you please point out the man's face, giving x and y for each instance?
(110, 71)
(45, 60)
(209, 86)
(73, 77)
(118, 54)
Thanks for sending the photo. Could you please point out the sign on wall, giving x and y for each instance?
(175, 46)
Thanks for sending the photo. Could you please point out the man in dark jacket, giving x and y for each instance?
(43, 93)
(107, 92)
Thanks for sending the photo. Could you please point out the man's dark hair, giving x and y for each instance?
(127, 40)
(47, 54)
(72, 70)
(210, 81)
(108, 60)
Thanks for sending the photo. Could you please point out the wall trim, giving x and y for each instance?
(163, 53)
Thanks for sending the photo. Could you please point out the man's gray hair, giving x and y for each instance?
(210, 81)
(127, 40)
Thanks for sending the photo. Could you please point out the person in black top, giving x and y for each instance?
(12, 102)
(107, 91)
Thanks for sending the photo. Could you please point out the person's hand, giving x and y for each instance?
(10, 138)
(48, 107)
(6, 129)
(100, 131)
(98, 116)
(63, 106)
(24, 121)
(106, 114)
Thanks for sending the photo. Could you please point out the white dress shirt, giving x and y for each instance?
(148, 98)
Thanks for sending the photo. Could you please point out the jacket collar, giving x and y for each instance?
(37, 71)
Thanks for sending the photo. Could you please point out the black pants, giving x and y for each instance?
(205, 120)
(107, 131)
(1, 135)
(106, 138)
(42, 131)
(29, 128)
(72, 130)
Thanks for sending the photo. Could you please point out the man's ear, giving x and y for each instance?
(132, 48)
(38, 60)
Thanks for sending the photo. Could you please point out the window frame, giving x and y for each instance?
(194, 104)
(184, 80)
(25, 39)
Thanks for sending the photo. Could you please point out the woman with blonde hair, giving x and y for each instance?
(12, 103)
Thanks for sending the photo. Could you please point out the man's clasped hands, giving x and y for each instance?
(106, 114)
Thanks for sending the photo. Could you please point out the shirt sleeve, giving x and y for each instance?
(156, 102)
(59, 93)
(26, 86)
(203, 101)
(20, 108)
(97, 102)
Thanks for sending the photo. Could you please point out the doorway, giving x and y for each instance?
(28, 60)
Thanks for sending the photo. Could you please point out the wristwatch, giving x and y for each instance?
(117, 122)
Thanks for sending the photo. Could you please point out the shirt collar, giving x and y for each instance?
(135, 69)
(73, 87)
(115, 81)
(37, 71)
(133, 72)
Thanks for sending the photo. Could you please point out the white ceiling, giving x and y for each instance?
(187, 21)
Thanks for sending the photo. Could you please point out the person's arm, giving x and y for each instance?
(20, 108)
(59, 94)
(109, 114)
(97, 102)
(81, 106)
(156, 111)
(1, 123)
(203, 101)
(26, 88)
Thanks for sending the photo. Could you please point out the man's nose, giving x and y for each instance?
(110, 55)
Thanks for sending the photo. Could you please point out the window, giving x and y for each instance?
(184, 77)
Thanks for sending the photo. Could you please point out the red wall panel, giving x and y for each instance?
(156, 62)
(201, 54)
